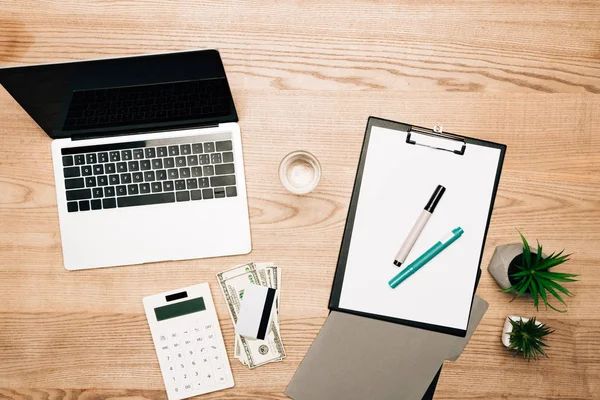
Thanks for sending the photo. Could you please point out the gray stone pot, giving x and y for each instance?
(501, 259)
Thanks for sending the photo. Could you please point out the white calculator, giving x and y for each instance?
(188, 341)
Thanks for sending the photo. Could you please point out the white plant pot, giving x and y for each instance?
(509, 328)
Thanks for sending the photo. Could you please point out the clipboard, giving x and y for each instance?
(399, 167)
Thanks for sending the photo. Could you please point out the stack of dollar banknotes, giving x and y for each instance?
(253, 352)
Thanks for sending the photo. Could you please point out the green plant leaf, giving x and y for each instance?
(555, 276)
(550, 262)
(558, 287)
(538, 255)
(534, 293)
(526, 251)
(542, 291)
(543, 283)
(524, 288)
(522, 273)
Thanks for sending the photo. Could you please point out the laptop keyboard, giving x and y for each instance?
(149, 172)
(124, 106)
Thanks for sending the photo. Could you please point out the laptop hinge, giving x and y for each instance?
(104, 135)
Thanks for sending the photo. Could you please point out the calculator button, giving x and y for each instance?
(209, 378)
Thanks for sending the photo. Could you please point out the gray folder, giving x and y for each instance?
(354, 357)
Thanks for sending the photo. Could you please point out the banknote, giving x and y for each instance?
(232, 283)
(270, 278)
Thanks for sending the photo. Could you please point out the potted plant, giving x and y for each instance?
(517, 269)
(525, 335)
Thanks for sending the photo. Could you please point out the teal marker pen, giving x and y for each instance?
(426, 257)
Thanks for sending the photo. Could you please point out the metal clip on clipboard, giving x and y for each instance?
(436, 133)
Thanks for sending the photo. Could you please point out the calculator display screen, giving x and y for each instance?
(179, 309)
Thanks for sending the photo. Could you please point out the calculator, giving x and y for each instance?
(188, 341)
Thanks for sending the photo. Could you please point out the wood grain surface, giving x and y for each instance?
(306, 75)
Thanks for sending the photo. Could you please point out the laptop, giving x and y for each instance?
(147, 156)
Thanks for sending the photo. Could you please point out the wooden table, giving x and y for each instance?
(306, 75)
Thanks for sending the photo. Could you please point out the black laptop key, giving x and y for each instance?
(114, 156)
(121, 190)
(180, 184)
(224, 145)
(157, 163)
(215, 158)
(133, 166)
(114, 179)
(180, 162)
(186, 149)
(84, 205)
(169, 162)
(109, 191)
(96, 204)
(132, 189)
(161, 175)
(204, 159)
(192, 183)
(219, 193)
(79, 159)
(75, 183)
(81, 194)
(98, 169)
(174, 150)
(197, 148)
(103, 157)
(203, 183)
(146, 199)
(122, 167)
(208, 170)
(209, 147)
(150, 152)
(231, 191)
(183, 196)
(224, 169)
(228, 157)
(97, 192)
(126, 155)
(138, 154)
(125, 178)
(196, 172)
(144, 188)
(137, 177)
(145, 165)
(102, 180)
(149, 176)
(156, 187)
(192, 160)
(86, 170)
(68, 161)
(109, 168)
(168, 186)
(222, 180)
(173, 174)
(109, 203)
(207, 194)
(184, 172)
(91, 158)
(72, 206)
(196, 194)
(90, 181)
(161, 151)
(71, 172)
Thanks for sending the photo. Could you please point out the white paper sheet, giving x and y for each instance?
(398, 180)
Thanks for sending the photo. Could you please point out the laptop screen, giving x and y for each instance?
(121, 95)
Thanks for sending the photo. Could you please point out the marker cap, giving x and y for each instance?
(435, 198)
